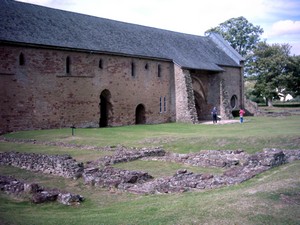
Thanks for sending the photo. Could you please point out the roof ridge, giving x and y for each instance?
(39, 25)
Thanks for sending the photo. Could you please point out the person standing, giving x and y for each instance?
(242, 112)
(214, 114)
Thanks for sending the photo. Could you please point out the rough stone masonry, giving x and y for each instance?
(239, 165)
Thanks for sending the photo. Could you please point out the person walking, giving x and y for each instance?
(214, 114)
(242, 112)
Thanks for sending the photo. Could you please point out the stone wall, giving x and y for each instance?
(37, 193)
(60, 165)
(242, 168)
(225, 108)
(54, 88)
(239, 167)
(216, 89)
(185, 102)
(123, 154)
(42, 94)
(251, 108)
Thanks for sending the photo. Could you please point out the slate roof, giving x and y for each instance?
(38, 25)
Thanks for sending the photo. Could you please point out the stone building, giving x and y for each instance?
(61, 69)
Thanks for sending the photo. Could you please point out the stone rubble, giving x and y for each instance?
(36, 193)
(124, 154)
(60, 165)
(240, 166)
(114, 177)
(206, 158)
(184, 180)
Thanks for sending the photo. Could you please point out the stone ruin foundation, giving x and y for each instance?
(36, 193)
(240, 166)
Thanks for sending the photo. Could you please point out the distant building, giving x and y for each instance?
(61, 69)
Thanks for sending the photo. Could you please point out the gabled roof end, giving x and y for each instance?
(226, 47)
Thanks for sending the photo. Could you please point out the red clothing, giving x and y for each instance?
(242, 112)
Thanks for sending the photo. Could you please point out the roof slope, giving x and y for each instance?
(38, 25)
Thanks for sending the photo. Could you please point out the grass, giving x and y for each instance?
(261, 200)
(254, 135)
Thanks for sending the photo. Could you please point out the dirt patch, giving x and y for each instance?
(220, 122)
(293, 199)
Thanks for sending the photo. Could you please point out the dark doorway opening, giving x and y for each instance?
(105, 108)
(140, 117)
(199, 105)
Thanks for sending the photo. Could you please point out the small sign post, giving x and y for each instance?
(73, 128)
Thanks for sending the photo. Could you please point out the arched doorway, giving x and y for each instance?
(199, 105)
(140, 117)
(105, 108)
(200, 98)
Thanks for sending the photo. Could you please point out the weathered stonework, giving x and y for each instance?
(111, 74)
(60, 165)
(212, 89)
(41, 95)
(239, 166)
(123, 154)
(226, 109)
(185, 102)
(37, 193)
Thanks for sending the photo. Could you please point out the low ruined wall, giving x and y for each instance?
(60, 165)
(208, 158)
(114, 177)
(238, 172)
(240, 166)
(124, 154)
(37, 193)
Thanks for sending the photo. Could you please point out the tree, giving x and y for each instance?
(293, 67)
(240, 33)
(269, 65)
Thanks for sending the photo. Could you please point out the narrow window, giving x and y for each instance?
(160, 105)
(100, 64)
(68, 62)
(159, 70)
(132, 69)
(21, 59)
(165, 104)
(146, 66)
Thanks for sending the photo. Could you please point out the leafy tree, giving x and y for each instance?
(269, 65)
(293, 67)
(240, 33)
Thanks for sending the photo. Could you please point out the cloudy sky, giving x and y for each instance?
(280, 19)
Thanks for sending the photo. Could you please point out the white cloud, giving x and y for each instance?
(285, 27)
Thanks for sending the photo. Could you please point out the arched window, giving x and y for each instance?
(21, 59)
(100, 64)
(233, 102)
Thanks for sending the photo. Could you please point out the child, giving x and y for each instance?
(242, 112)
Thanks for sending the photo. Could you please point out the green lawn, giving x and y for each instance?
(270, 198)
